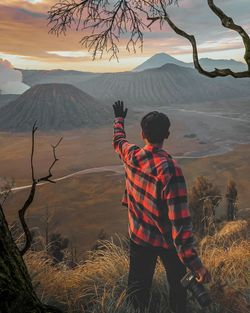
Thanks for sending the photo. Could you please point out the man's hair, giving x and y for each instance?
(155, 126)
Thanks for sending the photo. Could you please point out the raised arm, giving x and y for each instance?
(120, 143)
(175, 194)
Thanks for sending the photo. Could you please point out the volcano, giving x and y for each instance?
(54, 107)
(168, 85)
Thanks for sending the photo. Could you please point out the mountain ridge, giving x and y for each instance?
(157, 61)
(168, 85)
(162, 58)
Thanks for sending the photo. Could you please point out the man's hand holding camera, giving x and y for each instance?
(202, 275)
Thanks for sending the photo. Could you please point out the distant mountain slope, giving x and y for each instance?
(5, 99)
(35, 77)
(54, 107)
(211, 64)
(159, 60)
(170, 84)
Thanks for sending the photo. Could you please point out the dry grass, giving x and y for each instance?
(227, 255)
(89, 285)
(229, 234)
(230, 270)
(99, 284)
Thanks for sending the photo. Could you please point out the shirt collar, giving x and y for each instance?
(150, 147)
(155, 149)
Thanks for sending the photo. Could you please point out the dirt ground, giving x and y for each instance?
(80, 206)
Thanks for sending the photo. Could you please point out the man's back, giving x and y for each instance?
(156, 198)
(147, 171)
(159, 217)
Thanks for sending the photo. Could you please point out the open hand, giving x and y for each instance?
(119, 110)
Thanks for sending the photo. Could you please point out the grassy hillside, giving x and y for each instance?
(99, 284)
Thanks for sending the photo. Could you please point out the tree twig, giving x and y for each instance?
(47, 177)
(104, 22)
(228, 22)
(23, 210)
(107, 22)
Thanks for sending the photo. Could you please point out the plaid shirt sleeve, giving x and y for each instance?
(175, 194)
(120, 143)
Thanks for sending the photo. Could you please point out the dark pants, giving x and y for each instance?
(141, 271)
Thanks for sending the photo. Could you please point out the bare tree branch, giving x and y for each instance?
(47, 178)
(34, 129)
(152, 19)
(228, 22)
(22, 211)
(216, 72)
(108, 21)
(104, 22)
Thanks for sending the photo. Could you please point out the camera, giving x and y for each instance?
(199, 292)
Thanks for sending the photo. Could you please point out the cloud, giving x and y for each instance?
(70, 54)
(34, 1)
(10, 79)
(31, 13)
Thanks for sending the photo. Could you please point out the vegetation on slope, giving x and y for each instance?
(99, 283)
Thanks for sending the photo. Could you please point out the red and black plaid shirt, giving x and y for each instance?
(156, 198)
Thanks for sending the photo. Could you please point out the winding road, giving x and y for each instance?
(118, 169)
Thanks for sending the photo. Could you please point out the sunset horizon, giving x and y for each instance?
(27, 43)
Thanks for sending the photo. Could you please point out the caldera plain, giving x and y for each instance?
(210, 139)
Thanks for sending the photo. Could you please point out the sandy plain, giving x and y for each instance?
(211, 143)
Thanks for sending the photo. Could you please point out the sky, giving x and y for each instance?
(26, 43)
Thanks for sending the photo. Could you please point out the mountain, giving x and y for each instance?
(159, 60)
(35, 77)
(54, 107)
(211, 64)
(168, 85)
(5, 99)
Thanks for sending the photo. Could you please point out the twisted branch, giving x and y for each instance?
(228, 22)
(22, 211)
(216, 72)
(109, 21)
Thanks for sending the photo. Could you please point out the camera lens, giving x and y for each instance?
(198, 290)
(200, 293)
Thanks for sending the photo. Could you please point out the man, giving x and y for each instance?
(158, 213)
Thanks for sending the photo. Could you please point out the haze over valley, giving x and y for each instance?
(165, 84)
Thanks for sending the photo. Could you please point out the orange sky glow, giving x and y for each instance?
(25, 41)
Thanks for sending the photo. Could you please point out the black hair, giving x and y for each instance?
(155, 126)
